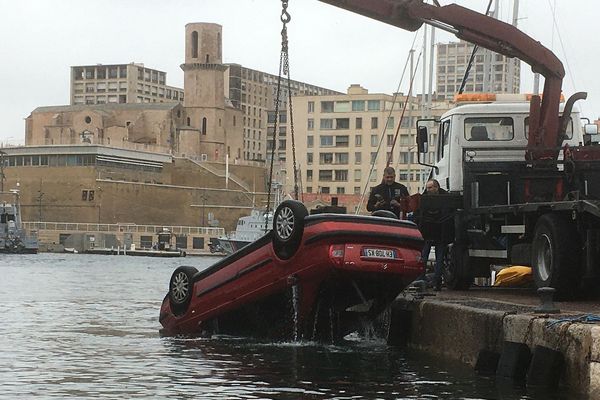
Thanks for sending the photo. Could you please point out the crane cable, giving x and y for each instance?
(284, 69)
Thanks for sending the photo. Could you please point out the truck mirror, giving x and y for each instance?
(422, 136)
(590, 129)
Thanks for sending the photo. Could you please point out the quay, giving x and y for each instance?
(469, 326)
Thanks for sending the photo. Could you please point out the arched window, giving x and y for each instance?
(204, 126)
(194, 44)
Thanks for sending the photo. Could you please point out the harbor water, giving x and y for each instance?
(86, 326)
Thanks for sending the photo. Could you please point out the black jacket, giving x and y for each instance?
(394, 191)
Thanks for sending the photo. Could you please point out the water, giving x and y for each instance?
(82, 326)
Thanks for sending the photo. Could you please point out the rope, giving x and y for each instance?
(583, 319)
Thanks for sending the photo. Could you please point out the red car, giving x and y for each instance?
(309, 278)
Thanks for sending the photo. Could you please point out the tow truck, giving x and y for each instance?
(523, 181)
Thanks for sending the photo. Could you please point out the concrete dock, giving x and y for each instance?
(460, 325)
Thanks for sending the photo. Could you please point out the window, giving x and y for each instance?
(341, 175)
(357, 158)
(342, 123)
(489, 129)
(271, 117)
(389, 139)
(374, 140)
(327, 106)
(390, 123)
(358, 123)
(342, 141)
(357, 175)
(373, 105)
(373, 157)
(181, 241)
(309, 158)
(341, 158)
(358, 140)
(309, 141)
(311, 106)
(310, 124)
(197, 243)
(356, 189)
(374, 123)
(326, 123)
(326, 141)
(358, 105)
(325, 158)
(340, 190)
(325, 175)
(342, 106)
(309, 175)
(569, 132)
(325, 189)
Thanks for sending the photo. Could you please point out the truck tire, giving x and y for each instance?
(556, 255)
(457, 273)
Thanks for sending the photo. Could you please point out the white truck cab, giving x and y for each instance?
(495, 131)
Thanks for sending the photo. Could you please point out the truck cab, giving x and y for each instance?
(484, 132)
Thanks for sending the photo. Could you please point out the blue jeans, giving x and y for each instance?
(440, 253)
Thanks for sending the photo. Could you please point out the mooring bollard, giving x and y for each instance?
(546, 296)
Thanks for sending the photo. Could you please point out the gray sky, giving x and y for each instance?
(330, 47)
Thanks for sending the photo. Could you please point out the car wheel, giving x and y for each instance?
(556, 255)
(181, 287)
(288, 227)
(457, 274)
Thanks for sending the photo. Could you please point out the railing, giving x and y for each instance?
(123, 228)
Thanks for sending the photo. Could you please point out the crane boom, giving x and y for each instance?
(491, 34)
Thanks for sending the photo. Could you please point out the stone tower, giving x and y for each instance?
(204, 97)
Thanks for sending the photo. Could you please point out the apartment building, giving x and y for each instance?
(119, 84)
(255, 93)
(490, 72)
(343, 142)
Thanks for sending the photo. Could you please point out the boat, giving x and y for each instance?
(312, 277)
(162, 248)
(13, 238)
(248, 229)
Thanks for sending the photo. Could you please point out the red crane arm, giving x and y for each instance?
(491, 34)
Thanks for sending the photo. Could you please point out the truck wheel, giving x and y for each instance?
(288, 227)
(457, 274)
(556, 255)
(181, 287)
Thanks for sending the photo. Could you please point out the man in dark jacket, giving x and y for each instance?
(432, 187)
(387, 194)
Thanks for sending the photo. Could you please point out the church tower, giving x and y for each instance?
(204, 96)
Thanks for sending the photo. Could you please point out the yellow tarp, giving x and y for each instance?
(514, 276)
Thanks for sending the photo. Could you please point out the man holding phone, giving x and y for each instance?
(387, 195)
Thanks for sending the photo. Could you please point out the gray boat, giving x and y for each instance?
(13, 238)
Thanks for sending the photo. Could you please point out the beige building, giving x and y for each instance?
(255, 93)
(343, 143)
(490, 72)
(120, 84)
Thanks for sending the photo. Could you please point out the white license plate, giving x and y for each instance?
(379, 253)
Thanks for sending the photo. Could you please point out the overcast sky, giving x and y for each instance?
(330, 47)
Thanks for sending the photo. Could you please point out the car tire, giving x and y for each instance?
(288, 226)
(556, 255)
(457, 273)
(181, 287)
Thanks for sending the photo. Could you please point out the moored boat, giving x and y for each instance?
(13, 238)
(312, 277)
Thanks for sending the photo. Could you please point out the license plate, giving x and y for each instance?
(379, 253)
